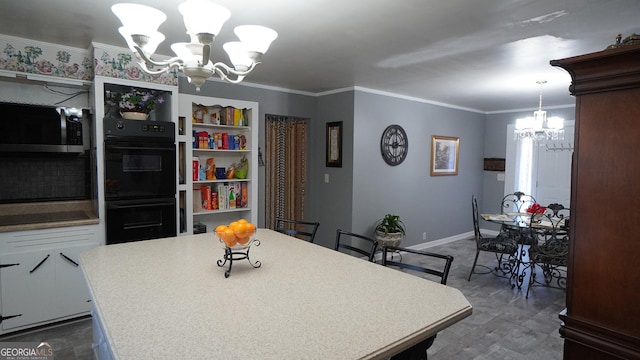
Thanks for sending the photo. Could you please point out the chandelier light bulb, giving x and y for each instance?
(555, 122)
(203, 17)
(256, 38)
(139, 19)
(149, 43)
(238, 55)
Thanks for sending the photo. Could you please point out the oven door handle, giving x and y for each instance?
(142, 226)
(168, 148)
(116, 206)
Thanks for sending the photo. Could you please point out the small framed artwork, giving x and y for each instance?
(334, 144)
(494, 164)
(444, 155)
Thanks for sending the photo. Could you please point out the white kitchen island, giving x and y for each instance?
(168, 299)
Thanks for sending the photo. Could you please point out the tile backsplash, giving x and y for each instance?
(34, 178)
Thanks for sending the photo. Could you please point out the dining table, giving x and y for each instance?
(516, 225)
(520, 227)
(169, 298)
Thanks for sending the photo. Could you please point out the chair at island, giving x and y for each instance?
(305, 230)
(500, 246)
(354, 244)
(550, 252)
(422, 262)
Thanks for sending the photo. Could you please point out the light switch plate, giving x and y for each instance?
(326, 178)
(500, 176)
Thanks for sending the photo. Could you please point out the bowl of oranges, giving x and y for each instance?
(237, 235)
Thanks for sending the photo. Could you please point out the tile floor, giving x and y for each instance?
(504, 324)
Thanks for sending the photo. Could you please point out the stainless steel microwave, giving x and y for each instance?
(40, 128)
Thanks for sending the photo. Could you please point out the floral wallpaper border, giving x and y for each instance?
(121, 64)
(35, 57)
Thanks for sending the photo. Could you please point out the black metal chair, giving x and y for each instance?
(437, 265)
(550, 252)
(350, 243)
(517, 203)
(500, 245)
(305, 230)
(426, 262)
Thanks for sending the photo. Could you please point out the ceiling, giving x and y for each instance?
(482, 55)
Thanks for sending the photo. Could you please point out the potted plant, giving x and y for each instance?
(390, 230)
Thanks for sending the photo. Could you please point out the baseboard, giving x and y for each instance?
(429, 244)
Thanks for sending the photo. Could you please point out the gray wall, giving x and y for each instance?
(331, 203)
(438, 205)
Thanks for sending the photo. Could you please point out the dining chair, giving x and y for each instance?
(349, 242)
(436, 265)
(517, 203)
(550, 253)
(305, 230)
(500, 245)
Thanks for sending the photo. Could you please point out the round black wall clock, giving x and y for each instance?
(394, 145)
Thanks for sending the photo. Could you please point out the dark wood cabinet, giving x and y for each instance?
(602, 318)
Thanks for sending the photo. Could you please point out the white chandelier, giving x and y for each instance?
(538, 127)
(203, 20)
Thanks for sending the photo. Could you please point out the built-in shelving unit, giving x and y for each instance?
(217, 135)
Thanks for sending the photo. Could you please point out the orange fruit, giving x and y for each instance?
(239, 229)
(221, 228)
(250, 228)
(243, 240)
(228, 237)
(242, 221)
(233, 224)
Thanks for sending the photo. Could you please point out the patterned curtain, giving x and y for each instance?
(286, 168)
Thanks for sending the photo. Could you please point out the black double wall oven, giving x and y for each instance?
(140, 180)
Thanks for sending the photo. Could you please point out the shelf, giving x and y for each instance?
(220, 211)
(218, 181)
(215, 126)
(221, 150)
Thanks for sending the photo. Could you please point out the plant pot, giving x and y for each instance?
(134, 115)
(389, 239)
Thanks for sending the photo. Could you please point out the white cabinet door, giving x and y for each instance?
(71, 293)
(26, 287)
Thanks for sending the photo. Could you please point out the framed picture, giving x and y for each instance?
(444, 155)
(334, 144)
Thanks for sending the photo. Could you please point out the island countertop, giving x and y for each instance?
(167, 298)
